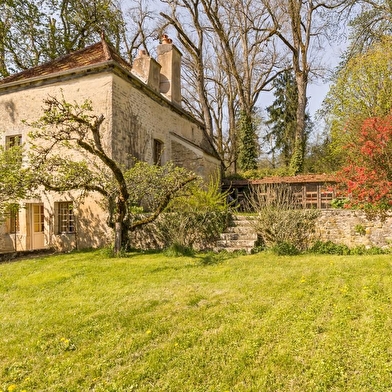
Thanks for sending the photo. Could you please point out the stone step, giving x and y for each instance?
(244, 217)
(231, 250)
(240, 235)
(240, 230)
(236, 243)
(232, 235)
(242, 222)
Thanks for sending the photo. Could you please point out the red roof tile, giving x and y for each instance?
(98, 53)
(300, 179)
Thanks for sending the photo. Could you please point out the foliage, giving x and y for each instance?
(152, 187)
(280, 221)
(285, 249)
(320, 157)
(331, 248)
(360, 229)
(370, 26)
(339, 202)
(248, 150)
(68, 153)
(16, 180)
(35, 31)
(362, 89)
(367, 176)
(196, 219)
(282, 120)
(178, 250)
(185, 325)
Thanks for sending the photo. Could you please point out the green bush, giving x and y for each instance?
(285, 249)
(280, 220)
(330, 248)
(178, 250)
(194, 221)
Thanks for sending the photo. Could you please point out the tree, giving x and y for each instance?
(230, 60)
(16, 180)
(370, 26)
(302, 28)
(35, 31)
(68, 153)
(248, 149)
(362, 89)
(366, 177)
(282, 118)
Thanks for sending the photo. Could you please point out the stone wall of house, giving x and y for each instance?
(139, 118)
(353, 228)
(26, 102)
(134, 116)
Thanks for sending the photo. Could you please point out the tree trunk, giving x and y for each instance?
(118, 228)
(297, 159)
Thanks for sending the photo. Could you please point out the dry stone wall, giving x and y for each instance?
(353, 228)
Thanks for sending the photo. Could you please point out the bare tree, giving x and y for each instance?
(230, 61)
(372, 22)
(302, 26)
(140, 28)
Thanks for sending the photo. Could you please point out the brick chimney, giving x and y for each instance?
(169, 57)
(147, 69)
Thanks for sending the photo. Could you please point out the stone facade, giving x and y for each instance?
(139, 116)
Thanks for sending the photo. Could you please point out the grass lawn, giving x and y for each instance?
(85, 322)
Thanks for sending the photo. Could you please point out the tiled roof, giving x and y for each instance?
(300, 179)
(100, 52)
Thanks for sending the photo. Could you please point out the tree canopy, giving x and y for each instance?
(366, 178)
(15, 178)
(362, 89)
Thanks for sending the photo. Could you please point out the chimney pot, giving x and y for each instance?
(166, 39)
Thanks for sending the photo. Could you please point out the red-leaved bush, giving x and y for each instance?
(367, 177)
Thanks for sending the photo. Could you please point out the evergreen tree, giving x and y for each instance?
(282, 120)
(248, 149)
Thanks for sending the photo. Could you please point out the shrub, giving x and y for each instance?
(280, 220)
(195, 221)
(177, 250)
(360, 229)
(330, 248)
(285, 249)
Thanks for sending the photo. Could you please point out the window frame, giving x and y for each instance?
(158, 152)
(13, 141)
(65, 217)
(13, 219)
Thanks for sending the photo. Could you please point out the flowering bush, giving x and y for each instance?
(367, 177)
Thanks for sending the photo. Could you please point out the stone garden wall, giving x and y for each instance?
(352, 228)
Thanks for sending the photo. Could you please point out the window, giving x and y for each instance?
(38, 218)
(12, 141)
(13, 219)
(66, 221)
(158, 152)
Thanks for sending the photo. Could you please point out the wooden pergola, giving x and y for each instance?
(309, 191)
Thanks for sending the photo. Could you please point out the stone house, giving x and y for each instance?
(143, 119)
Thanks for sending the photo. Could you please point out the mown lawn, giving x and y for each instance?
(85, 322)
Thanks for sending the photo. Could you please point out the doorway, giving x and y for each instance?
(38, 226)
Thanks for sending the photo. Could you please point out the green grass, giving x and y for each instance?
(85, 322)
